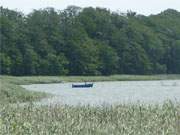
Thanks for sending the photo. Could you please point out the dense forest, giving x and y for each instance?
(88, 41)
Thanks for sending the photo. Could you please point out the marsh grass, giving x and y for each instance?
(88, 120)
(13, 93)
(58, 79)
(82, 120)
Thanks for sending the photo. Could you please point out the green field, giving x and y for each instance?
(104, 120)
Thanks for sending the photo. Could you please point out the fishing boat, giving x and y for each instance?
(85, 85)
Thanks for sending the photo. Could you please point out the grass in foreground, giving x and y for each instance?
(86, 120)
(105, 120)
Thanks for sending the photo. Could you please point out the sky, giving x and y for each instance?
(145, 7)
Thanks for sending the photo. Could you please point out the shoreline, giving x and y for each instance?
(11, 91)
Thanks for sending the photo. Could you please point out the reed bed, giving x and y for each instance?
(58, 79)
(88, 120)
(30, 119)
(13, 93)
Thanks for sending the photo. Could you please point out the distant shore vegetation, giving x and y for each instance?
(88, 41)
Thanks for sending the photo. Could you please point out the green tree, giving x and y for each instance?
(30, 62)
(57, 64)
(5, 64)
(108, 59)
(88, 41)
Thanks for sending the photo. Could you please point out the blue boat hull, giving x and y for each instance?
(82, 85)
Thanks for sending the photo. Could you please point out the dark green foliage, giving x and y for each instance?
(89, 41)
(109, 60)
(5, 63)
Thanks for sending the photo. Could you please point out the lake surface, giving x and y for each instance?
(111, 93)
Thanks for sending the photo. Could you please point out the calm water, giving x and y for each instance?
(146, 92)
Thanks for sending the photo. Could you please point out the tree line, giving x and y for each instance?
(88, 41)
